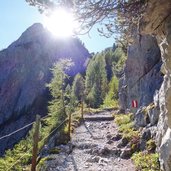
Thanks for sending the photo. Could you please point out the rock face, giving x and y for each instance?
(142, 76)
(24, 71)
(157, 21)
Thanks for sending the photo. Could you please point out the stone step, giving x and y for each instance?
(98, 118)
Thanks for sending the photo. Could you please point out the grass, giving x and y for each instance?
(93, 110)
(54, 151)
(108, 103)
(151, 145)
(42, 163)
(126, 126)
(146, 161)
(122, 119)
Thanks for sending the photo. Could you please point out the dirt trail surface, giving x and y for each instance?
(94, 147)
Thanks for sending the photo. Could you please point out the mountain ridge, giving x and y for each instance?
(25, 69)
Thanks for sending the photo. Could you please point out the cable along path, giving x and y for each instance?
(95, 146)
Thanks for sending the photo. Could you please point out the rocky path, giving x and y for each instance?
(94, 147)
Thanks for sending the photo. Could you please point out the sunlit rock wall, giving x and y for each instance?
(164, 124)
(142, 76)
(157, 21)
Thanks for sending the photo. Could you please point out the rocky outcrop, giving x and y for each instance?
(25, 71)
(142, 76)
(157, 21)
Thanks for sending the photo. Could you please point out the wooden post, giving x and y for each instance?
(69, 125)
(35, 143)
(82, 107)
(89, 108)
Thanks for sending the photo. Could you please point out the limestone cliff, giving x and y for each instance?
(142, 76)
(155, 22)
(24, 71)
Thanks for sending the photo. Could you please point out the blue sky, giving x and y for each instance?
(16, 16)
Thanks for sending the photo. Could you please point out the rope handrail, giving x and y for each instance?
(19, 159)
(53, 131)
(20, 129)
(42, 140)
(8, 135)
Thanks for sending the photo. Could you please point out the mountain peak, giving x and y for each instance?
(36, 31)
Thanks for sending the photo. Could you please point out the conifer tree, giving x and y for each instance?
(59, 90)
(96, 81)
(78, 89)
(111, 99)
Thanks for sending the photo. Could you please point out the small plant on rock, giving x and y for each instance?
(126, 126)
(145, 161)
(151, 145)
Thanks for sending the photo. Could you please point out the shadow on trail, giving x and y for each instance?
(88, 130)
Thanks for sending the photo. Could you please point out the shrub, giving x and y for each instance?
(146, 161)
(151, 145)
(122, 119)
(42, 163)
(111, 98)
(126, 127)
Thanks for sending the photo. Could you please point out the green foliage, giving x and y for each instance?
(75, 119)
(122, 119)
(111, 99)
(146, 161)
(23, 148)
(93, 110)
(42, 163)
(54, 151)
(151, 145)
(96, 89)
(126, 126)
(59, 91)
(115, 59)
(104, 67)
(118, 64)
(78, 88)
(96, 81)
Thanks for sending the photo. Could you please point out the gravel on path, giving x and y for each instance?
(93, 148)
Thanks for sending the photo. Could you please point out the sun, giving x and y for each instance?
(60, 23)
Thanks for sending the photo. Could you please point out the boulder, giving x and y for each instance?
(123, 142)
(117, 137)
(116, 151)
(141, 118)
(146, 134)
(126, 153)
(153, 115)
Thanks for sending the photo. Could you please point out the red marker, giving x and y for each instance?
(134, 103)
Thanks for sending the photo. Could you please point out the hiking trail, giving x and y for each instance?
(96, 145)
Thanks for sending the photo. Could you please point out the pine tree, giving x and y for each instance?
(78, 89)
(111, 99)
(96, 81)
(59, 90)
